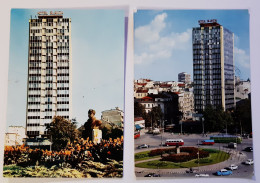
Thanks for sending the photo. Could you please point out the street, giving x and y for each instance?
(237, 155)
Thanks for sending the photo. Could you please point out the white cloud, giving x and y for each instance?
(151, 45)
(241, 57)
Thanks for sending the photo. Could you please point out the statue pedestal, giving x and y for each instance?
(178, 150)
(96, 136)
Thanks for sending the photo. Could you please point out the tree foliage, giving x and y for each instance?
(216, 120)
(61, 132)
(242, 116)
(155, 116)
(139, 111)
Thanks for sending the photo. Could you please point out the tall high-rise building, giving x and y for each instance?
(213, 65)
(49, 71)
(184, 77)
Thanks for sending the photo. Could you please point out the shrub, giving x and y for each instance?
(157, 152)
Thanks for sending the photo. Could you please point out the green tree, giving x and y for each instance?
(61, 132)
(155, 115)
(216, 119)
(242, 116)
(139, 111)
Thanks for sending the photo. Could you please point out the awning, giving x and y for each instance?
(138, 127)
(142, 126)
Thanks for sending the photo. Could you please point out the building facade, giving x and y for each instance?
(242, 90)
(213, 65)
(15, 136)
(184, 77)
(186, 104)
(114, 117)
(49, 71)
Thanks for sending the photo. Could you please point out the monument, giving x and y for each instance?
(92, 128)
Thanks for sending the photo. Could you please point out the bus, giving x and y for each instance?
(208, 142)
(174, 142)
(226, 138)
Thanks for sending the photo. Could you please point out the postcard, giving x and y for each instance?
(65, 113)
(192, 94)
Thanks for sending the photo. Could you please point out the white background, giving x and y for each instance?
(130, 6)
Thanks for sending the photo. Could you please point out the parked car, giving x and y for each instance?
(190, 170)
(202, 175)
(152, 175)
(224, 172)
(143, 146)
(249, 162)
(249, 149)
(156, 131)
(233, 167)
(232, 145)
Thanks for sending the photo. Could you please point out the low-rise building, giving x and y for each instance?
(114, 117)
(184, 77)
(242, 90)
(15, 136)
(186, 104)
(140, 93)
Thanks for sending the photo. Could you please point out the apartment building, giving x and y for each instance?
(213, 65)
(49, 71)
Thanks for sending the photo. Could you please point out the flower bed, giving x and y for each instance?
(191, 153)
(106, 157)
(157, 152)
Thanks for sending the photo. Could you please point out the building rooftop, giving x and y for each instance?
(208, 23)
(55, 14)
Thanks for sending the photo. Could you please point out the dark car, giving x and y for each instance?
(190, 170)
(152, 175)
(249, 149)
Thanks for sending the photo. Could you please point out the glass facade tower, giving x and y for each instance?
(49, 71)
(213, 66)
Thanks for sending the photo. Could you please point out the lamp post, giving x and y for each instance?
(198, 157)
(161, 131)
(181, 127)
(202, 121)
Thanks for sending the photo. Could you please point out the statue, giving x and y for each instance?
(92, 127)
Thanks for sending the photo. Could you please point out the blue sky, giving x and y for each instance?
(97, 56)
(163, 41)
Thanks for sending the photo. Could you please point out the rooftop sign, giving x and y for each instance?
(207, 21)
(44, 13)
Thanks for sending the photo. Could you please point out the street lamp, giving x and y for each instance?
(202, 121)
(181, 127)
(161, 131)
(198, 157)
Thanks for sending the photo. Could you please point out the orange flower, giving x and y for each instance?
(89, 153)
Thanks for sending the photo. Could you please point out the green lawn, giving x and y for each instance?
(144, 156)
(215, 157)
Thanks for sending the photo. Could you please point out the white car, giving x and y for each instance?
(202, 175)
(143, 146)
(249, 162)
(233, 167)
